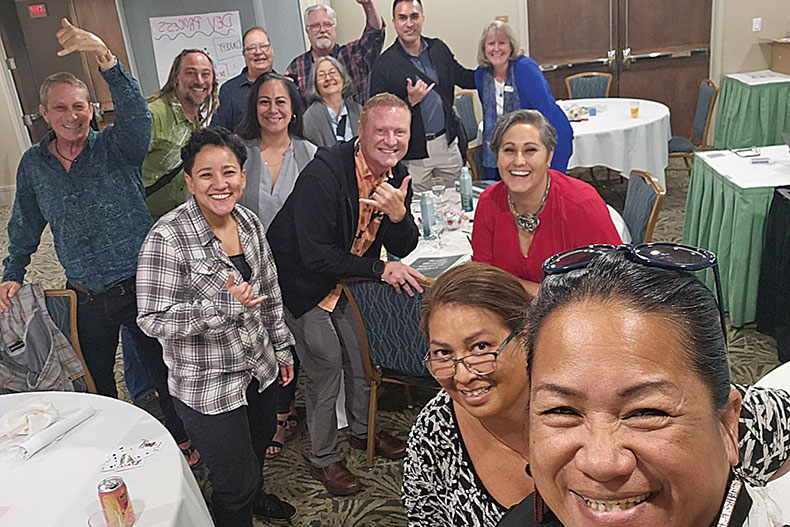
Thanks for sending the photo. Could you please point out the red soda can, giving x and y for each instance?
(114, 495)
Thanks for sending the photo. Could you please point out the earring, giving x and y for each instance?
(293, 117)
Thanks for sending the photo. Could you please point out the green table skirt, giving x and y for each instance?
(728, 220)
(752, 115)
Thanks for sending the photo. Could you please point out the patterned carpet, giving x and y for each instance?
(752, 356)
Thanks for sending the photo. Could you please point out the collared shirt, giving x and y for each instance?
(346, 133)
(213, 346)
(97, 209)
(170, 130)
(259, 195)
(233, 96)
(368, 221)
(431, 107)
(357, 56)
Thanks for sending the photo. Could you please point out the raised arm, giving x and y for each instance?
(132, 129)
(372, 16)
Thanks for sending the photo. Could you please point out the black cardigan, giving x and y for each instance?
(312, 234)
(393, 67)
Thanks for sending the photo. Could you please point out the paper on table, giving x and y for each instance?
(28, 418)
(53, 433)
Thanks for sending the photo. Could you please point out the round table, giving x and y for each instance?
(612, 138)
(57, 485)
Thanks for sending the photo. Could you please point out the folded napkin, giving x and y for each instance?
(48, 435)
(29, 418)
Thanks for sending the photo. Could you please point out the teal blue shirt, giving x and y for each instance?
(97, 209)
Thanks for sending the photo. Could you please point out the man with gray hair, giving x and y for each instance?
(357, 56)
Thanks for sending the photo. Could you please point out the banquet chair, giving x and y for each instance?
(465, 108)
(62, 308)
(684, 147)
(643, 201)
(587, 85)
(474, 158)
(392, 345)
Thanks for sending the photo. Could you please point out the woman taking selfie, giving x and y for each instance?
(467, 451)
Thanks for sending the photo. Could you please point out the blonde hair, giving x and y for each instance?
(382, 100)
(506, 31)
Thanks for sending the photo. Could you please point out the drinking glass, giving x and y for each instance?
(439, 225)
(105, 518)
(438, 194)
(634, 109)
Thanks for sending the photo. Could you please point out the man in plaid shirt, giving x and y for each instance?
(357, 56)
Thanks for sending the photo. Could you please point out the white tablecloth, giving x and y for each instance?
(756, 78)
(58, 485)
(742, 172)
(615, 140)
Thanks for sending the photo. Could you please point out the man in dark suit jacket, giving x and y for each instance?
(423, 72)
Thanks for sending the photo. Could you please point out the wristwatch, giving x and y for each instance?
(378, 268)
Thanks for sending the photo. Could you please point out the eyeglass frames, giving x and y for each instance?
(263, 48)
(326, 26)
(477, 363)
(657, 254)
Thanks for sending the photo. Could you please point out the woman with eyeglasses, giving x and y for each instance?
(276, 154)
(534, 212)
(468, 449)
(333, 116)
(632, 417)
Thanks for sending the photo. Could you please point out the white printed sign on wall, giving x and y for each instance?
(218, 34)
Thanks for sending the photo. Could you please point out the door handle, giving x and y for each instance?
(28, 118)
(608, 60)
(629, 58)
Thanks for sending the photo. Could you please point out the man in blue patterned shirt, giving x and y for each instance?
(87, 186)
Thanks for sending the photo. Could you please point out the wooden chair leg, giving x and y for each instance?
(409, 396)
(372, 407)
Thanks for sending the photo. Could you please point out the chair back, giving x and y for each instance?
(588, 85)
(389, 324)
(465, 107)
(643, 200)
(708, 92)
(62, 308)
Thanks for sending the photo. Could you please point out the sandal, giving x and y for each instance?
(292, 421)
(192, 455)
(275, 447)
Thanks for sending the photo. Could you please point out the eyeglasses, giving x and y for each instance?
(477, 363)
(263, 48)
(326, 26)
(663, 255)
(321, 76)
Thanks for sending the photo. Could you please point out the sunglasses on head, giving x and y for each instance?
(673, 256)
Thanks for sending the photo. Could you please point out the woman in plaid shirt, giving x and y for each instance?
(207, 289)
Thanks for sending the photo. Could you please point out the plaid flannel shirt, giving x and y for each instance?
(357, 56)
(212, 344)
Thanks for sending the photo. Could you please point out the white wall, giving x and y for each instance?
(13, 137)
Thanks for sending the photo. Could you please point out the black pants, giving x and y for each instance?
(233, 445)
(99, 319)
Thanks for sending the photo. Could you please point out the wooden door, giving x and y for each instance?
(572, 36)
(28, 29)
(654, 50)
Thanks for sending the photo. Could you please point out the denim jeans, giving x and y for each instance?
(134, 372)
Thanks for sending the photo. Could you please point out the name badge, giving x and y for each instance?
(509, 88)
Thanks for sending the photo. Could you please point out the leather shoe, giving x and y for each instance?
(337, 479)
(387, 446)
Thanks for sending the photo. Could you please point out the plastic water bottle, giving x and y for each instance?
(428, 213)
(465, 181)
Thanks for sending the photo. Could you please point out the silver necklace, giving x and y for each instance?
(529, 222)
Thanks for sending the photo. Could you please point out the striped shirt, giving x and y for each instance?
(357, 56)
(213, 346)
